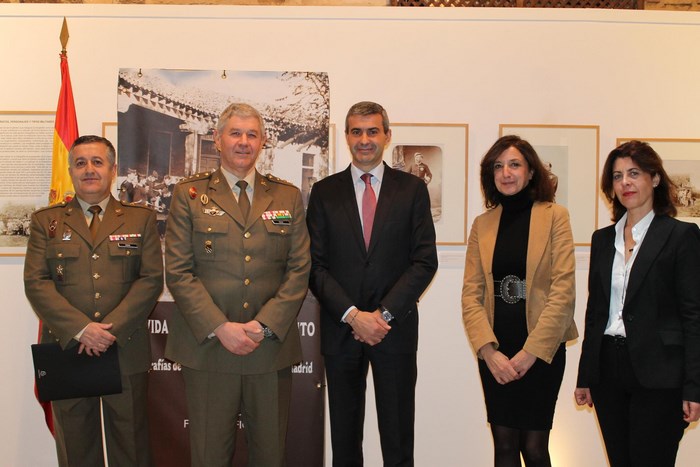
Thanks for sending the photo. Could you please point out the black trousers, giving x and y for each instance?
(394, 377)
(641, 426)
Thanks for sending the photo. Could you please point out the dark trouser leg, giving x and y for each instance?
(347, 382)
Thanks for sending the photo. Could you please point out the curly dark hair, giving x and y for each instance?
(540, 187)
(648, 161)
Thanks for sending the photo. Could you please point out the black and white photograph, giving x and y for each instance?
(166, 121)
(686, 176)
(437, 154)
(425, 162)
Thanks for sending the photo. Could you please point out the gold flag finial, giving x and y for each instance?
(64, 35)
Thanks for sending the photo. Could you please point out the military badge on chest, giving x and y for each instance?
(281, 217)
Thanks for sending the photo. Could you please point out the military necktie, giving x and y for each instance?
(243, 200)
(95, 222)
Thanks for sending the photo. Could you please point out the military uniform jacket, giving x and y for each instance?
(221, 269)
(71, 281)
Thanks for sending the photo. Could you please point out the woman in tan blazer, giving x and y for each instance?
(518, 300)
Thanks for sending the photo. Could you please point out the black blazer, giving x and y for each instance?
(399, 265)
(661, 310)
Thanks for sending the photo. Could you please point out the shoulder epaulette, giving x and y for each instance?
(195, 177)
(62, 204)
(135, 205)
(272, 178)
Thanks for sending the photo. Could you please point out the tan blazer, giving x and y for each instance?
(550, 280)
(71, 280)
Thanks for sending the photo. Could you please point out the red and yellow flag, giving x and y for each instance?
(64, 134)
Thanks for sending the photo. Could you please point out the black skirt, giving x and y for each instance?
(527, 403)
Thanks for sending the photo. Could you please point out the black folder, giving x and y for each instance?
(65, 374)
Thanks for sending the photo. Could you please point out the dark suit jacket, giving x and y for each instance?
(72, 281)
(220, 268)
(661, 311)
(399, 265)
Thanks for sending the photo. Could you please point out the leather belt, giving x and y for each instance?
(618, 341)
(512, 289)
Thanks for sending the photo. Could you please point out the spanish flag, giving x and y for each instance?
(65, 132)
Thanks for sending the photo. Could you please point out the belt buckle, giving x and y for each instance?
(505, 289)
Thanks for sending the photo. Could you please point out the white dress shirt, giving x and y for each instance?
(621, 271)
(359, 185)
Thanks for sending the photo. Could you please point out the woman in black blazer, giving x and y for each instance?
(640, 360)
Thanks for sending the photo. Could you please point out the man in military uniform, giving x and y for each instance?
(420, 169)
(93, 272)
(237, 265)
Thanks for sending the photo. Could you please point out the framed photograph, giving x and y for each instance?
(26, 148)
(682, 163)
(570, 152)
(110, 131)
(437, 154)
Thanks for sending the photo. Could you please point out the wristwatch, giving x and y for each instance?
(386, 314)
(267, 332)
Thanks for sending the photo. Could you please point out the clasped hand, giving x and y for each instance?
(503, 369)
(368, 326)
(96, 339)
(240, 338)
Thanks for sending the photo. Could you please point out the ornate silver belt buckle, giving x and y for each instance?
(512, 289)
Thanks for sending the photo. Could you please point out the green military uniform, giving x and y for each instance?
(220, 268)
(71, 281)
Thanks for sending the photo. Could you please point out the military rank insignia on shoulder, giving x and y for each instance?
(272, 178)
(131, 204)
(62, 204)
(195, 177)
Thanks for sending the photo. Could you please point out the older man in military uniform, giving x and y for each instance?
(421, 169)
(237, 265)
(93, 273)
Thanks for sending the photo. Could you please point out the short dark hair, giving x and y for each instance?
(648, 161)
(88, 139)
(365, 108)
(540, 186)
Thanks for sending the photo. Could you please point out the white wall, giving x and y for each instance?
(633, 73)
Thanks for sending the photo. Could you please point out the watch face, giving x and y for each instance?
(387, 316)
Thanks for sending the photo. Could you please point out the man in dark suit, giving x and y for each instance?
(237, 264)
(373, 254)
(94, 286)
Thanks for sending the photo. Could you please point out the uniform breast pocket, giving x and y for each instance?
(278, 238)
(63, 263)
(209, 239)
(128, 253)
